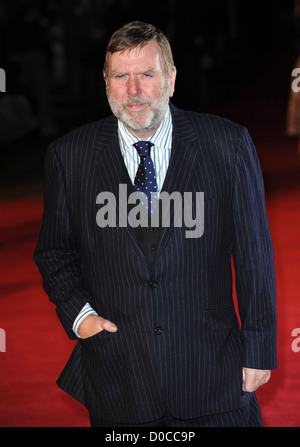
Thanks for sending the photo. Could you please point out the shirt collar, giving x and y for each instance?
(162, 137)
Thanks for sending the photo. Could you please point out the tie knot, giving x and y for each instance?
(143, 148)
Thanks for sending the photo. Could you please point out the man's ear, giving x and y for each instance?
(105, 80)
(172, 81)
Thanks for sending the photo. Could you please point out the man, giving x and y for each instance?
(159, 339)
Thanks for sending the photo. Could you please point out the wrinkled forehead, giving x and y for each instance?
(146, 56)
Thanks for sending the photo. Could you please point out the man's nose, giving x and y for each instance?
(133, 86)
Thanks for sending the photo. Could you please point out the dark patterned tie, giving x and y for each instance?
(145, 179)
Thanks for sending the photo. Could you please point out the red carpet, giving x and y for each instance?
(36, 345)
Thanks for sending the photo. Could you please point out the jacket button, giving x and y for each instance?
(158, 330)
(153, 284)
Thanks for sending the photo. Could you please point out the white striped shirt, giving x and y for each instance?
(160, 154)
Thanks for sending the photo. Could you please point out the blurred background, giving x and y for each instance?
(53, 50)
(234, 58)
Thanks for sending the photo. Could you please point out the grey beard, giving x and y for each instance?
(155, 116)
(151, 123)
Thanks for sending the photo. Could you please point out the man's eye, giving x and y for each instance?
(118, 76)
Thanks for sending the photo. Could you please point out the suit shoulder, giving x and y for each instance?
(82, 137)
(213, 123)
(214, 136)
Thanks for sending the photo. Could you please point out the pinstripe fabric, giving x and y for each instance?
(160, 154)
(248, 415)
(193, 364)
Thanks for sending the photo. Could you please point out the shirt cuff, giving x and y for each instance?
(85, 311)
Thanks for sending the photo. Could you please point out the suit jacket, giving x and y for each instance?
(179, 343)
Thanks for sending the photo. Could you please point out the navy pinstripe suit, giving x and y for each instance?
(192, 364)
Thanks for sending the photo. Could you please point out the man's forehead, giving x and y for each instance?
(149, 53)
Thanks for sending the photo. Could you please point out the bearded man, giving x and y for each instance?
(159, 342)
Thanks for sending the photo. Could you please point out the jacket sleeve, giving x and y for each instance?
(57, 254)
(253, 260)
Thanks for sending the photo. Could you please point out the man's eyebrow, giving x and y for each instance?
(148, 70)
(116, 72)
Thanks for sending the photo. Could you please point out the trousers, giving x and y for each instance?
(249, 415)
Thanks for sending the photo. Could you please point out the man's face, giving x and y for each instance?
(138, 90)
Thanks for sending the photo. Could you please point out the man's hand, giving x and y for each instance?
(254, 378)
(93, 324)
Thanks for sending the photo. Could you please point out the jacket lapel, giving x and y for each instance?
(113, 173)
(181, 167)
